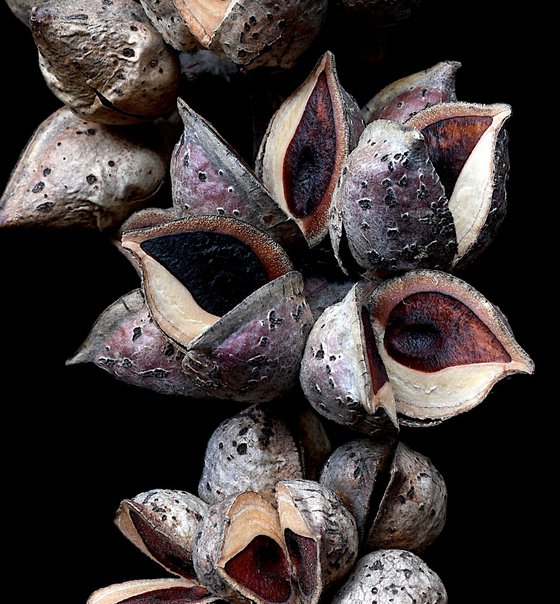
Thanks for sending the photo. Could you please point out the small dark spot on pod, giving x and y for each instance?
(91, 178)
(46, 171)
(136, 333)
(128, 52)
(242, 449)
(38, 187)
(202, 176)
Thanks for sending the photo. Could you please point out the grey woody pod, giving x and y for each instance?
(165, 17)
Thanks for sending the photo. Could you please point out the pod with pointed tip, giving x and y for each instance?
(258, 447)
(391, 576)
(165, 17)
(78, 174)
(153, 591)
(305, 146)
(397, 496)
(105, 60)
(255, 33)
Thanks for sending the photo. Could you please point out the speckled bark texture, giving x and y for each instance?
(162, 524)
(165, 17)
(392, 577)
(258, 447)
(78, 174)
(105, 60)
(22, 8)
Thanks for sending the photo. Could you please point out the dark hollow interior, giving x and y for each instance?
(303, 555)
(377, 371)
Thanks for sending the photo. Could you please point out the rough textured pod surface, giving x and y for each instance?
(258, 447)
(165, 17)
(391, 576)
(390, 205)
(153, 591)
(305, 146)
(105, 60)
(468, 146)
(443, 345)
(22, 8)
(255, 33)
(162, 524)
(407, 96)
(208, 177)
(78, 174)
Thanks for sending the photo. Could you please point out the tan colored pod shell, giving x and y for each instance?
(165, 17)
(74, 173)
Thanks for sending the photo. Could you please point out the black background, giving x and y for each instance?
(80, 441)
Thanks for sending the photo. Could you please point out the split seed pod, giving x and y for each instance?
(260, 446)
(396, 495)
(391, 576)
(255, 33)
(305, 146)
(405, 97)
(153, 591)
(423, 347)
(247, 550)
(105, 60)
(74, 173)
(165, 17)
(162, 524)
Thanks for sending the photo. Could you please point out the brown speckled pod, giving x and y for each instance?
(305, 146)
(255, 33)
(208, 177)
(260, 446)
(165, 17)
(389, 206)
(467, 144)
(391, 576)
(105, 60)
(405, 97)
(151, 591)
(397, 496)
(162, 524)
(81, 174)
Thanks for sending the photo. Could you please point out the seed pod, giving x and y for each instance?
(391, 576)
(22, 8)
(165, 17)
(423, 347)
(255, 33)
(81, 174)
(405, 97)
(321, 292)
(153, 591)
(105, 60)
(245, 550)
(260, 446)
(208, 177)
(304, 148)
(397, 496)
(467, 145)
(162, 524)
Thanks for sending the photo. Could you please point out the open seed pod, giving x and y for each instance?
(165, 17)
(396, 495)
(391, 576)
(208, 177)
(305, 146)
(153, 591)
(255, 33)
(405, 97)
(258, 447)
(434, 347)
(247, 550)
(105, 60)
(81, 174)
(162, 524)
(225, 292)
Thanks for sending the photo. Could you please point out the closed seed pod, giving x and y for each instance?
(105, 60)
(405, 97)
(391, 576)
(162, 524)
(165, 17)
(153, 591)
(255, 33)
(22, 8)
(305, 146)
(258, 447)
(78, 174)
(208, 177)
(397, 496)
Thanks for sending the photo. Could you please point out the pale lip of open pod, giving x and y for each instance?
(255, 33)
(248, 550)
(422, 347)
(153, 591)
(78, 174)
(105, 60)
(305, 146)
